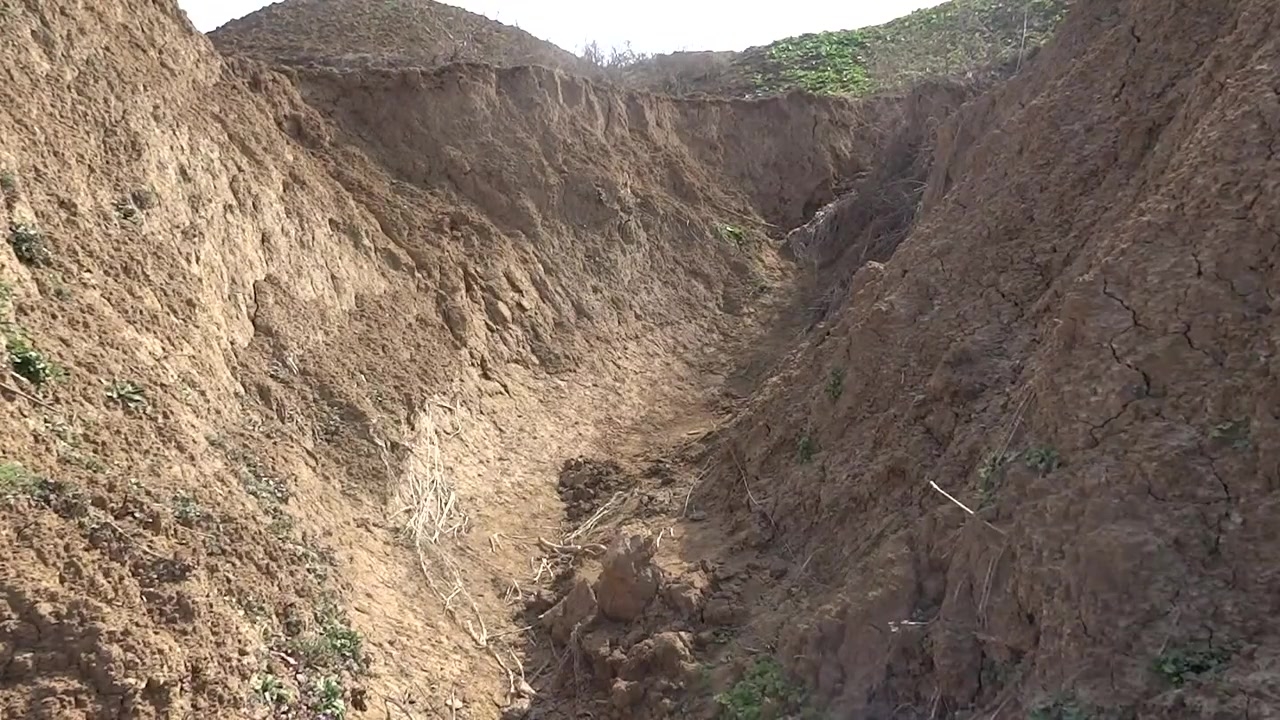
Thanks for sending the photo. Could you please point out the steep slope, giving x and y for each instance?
(1076, 341)
(377, 33)
(242, 336)
(488, 392)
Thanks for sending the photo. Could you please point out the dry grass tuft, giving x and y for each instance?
(429, 507)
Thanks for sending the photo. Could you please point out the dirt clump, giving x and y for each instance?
(578, 606)
(587, 484)
(629, 579)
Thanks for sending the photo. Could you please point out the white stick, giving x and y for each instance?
(948, 496)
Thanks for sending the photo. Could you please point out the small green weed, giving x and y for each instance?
(1043, 460)
(29, 245)
(334, 644)
(835, 383)
(186, 510)
(806, 448)
(1181, 663)
(262, 486)
(269, 690)
(6, 296)
(327, 698)
(8, 182)
(29, 363)
(1062, 707)
(1233, 432)
(991, 475)
(281, 525)
(763, 688)
(17, 481)
(732, 234)
(312, 556)
(127, 394)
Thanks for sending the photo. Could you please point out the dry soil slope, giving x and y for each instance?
(255, 309)
(383, 33)
(1077, 340)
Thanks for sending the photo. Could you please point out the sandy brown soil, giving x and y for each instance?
(308, 304)
(384, 34)
(487, 393)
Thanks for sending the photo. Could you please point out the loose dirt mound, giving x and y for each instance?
(379, 33)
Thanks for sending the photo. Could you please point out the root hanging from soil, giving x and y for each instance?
(431, 512)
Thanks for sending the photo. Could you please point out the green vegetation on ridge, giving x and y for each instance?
(951, 39)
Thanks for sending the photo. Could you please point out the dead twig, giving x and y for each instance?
(742, 473)
(706, 469)
(20, 393)
(963, 507)
(1022, 47)
(1017, 420)
(512, 631)
(592, 522)
(543, 567)
(594, 549)
(986, 585)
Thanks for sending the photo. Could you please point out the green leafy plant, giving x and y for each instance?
(991, 475)
(28, 362)
(8, 182)
(262, 486)
(334, 644)
(269, 690)
(1043, 460)
(1183, 662)
(732, 234)
(764, 688)
(127, 394)
(806, 448)
(953, 38)
(327, 698)
(835, 383)
(29, 244)
(186, 510)
(826, 63)
(16, 481)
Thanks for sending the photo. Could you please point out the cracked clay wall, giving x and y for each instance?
(1077, 340)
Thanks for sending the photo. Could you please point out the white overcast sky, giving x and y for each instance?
(653, 26)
